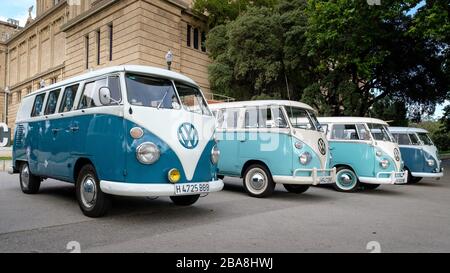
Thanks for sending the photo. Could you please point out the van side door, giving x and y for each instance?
(227, 133)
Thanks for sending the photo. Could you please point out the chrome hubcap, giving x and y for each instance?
(346, 180)
(25, 177)
(257, 180)
(88, 191)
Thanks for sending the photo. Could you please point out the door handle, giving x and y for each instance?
(74, 128)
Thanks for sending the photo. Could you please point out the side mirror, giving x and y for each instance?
(104, 95)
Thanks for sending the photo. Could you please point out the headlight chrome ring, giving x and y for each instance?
(384, 163)
(305, 158)
(147, 153)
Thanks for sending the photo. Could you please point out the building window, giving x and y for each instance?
(98, 47)
(87, 50)
(19, 96)
(29, 90)
(196, 38)
(188, 37)
(203, 41)
(110, 28)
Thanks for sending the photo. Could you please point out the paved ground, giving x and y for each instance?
(400, 218)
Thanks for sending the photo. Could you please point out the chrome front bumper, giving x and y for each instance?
(318, 176)
(394, 178)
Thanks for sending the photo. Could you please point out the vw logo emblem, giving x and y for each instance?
(322, 147)
(188, 136)
(396, 154)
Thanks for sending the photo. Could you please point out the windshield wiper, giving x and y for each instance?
(165, 95)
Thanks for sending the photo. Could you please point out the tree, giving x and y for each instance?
(341, 56)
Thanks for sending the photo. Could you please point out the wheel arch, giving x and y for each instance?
(81, 162)
(254, 162)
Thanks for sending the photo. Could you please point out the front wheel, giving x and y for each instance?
(346, 180)
(296, 188)
(93, 202)
(258, 181)
(185, 200)
(29, 183)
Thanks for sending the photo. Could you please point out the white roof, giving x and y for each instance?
(351, 120)
(407, 130)
(254, 103)
(159, 72)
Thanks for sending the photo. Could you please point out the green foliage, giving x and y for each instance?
(341, 57)
(440, 138)
(221, 12)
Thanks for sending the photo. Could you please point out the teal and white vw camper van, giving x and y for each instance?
(364, 153)
(125, 130)
(419, 153)
(272, 142)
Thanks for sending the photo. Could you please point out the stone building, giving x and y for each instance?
(70, 37)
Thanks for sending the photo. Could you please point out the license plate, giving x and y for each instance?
(183, 189)
(400, 181)
(325, 180)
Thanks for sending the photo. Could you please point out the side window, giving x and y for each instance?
(414, 139)
(344, 132)
(251, 117)
(52, 100)
(38, 105)
(90, 98)
(227, 118)
(68, 98)
(362, 132)
(403, 139)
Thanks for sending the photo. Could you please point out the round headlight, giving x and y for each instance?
(384, 163)
(430, 162)
(215, 155)
(147, 153)
(305, 158)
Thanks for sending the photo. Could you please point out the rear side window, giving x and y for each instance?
(68, 98)
(38, 105)
(51, 102)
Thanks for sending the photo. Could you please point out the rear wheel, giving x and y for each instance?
(346, 180)
(296, 188)
(93, 202)
(258, 181)
(368, 186)
(29, 183)
(185, 200)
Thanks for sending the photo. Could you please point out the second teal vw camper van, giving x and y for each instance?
(272, 142)
(364, 153)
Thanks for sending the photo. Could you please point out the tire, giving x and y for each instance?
(414, 180)
(258, 181)
(221, 177)
(29, 183)
(296, 188)
(92, 201)
(368, 186)
(185, 200)
(346, 180)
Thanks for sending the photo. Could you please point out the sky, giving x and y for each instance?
(18, 9)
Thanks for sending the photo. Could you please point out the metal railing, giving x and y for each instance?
(218, 97)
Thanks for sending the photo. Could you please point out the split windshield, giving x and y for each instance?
(380, 132)
(303, 119)
(160, 93)
(425, 138)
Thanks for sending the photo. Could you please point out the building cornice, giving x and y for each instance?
(37, 20)
(38, 76)
(101, 5)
